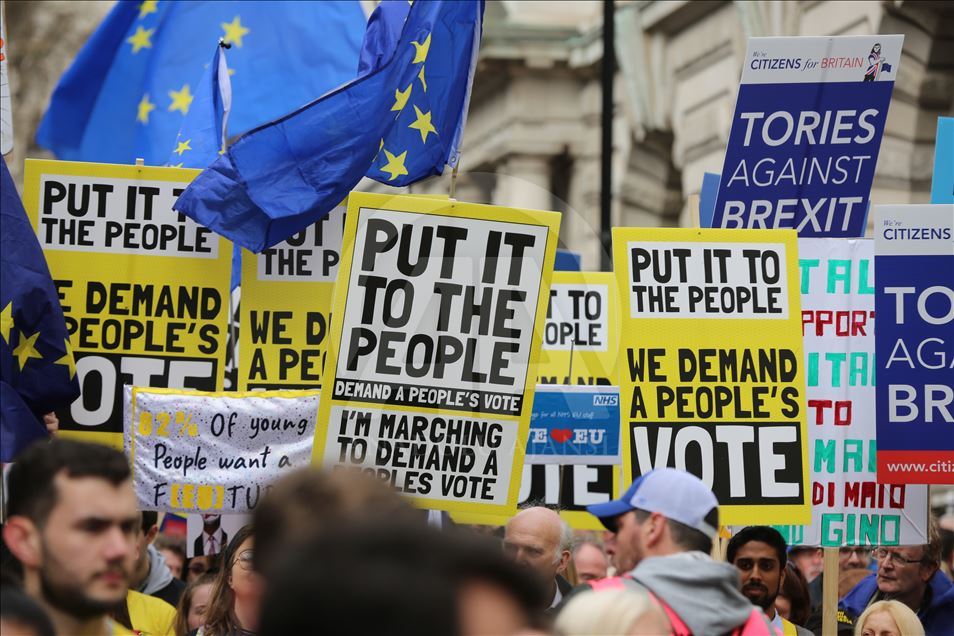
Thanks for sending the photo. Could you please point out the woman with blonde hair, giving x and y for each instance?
(617, 612)
(888, 618)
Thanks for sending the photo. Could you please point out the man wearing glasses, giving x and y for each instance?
(908, 574)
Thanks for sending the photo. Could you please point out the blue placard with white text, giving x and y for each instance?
(573, 424)
(806, 134)
(914, 343)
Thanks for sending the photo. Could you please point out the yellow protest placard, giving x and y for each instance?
(581, 335)
(285, 311)
(145, 290)
(438, 319)
(711, 368)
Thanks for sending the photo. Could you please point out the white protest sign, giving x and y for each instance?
(849, 506)
(216, 452)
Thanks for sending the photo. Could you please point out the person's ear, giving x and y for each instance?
(23, 538)
(151, 535)
(564, 561)
(655, 528)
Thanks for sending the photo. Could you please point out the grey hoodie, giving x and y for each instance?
(159, 575)
(702, 592)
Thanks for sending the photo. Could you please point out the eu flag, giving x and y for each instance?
(135, 80)
(203, 134)
(37, 369)
(399, 122)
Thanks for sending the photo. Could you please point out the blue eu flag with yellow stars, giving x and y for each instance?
(136, 79)
(202, 137)
(37, 369)
(399, 121)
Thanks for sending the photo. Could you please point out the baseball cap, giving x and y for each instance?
(673, 493)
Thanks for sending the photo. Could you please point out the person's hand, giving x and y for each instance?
(51, 422)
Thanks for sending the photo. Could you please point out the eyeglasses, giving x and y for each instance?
(857, 551)
(245, 558)
(896, 558)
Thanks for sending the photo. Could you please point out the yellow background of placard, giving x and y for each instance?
(697, 333)
(84, 266)
(586, 364)
(427, 206)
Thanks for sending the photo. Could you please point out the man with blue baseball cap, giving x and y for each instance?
(664, 526)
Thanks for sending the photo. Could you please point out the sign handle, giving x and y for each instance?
(830, 591)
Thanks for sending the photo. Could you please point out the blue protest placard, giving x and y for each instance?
(806, 133)
(573, 424)
(914, 343)
(942, 184)
(707, 198)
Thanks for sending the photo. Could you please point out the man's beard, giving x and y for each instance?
(71, 597)
(765, 601)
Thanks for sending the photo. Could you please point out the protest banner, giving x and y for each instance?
(439, 310)
(849, 506)
(195, 451)
(567, 488)
(145, 290)
(286, 307)
(711, 351)
(806, 133)
(914, 343)
(574, 425)
(581, 333)
(942, 182)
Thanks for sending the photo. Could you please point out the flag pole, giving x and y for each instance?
(453, 183)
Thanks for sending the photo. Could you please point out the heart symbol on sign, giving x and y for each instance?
(561, 434)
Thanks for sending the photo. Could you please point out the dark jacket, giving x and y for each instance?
(565, 588)
(936, 613)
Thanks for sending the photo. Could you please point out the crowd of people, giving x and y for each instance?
(334, 552)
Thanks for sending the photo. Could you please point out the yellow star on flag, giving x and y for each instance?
(182, 146)
(395, 166)
(234, 32)
(144, 108)
(26, 349)
(68, 359)
(421, 49)
(420, 76)
(181, 99)
(400, 98)
(423, 124)
(146, 7)
(6, 322)
(140, 39)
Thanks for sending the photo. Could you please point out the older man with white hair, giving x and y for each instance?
(539, 539)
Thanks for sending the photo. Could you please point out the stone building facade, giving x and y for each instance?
(533, 133)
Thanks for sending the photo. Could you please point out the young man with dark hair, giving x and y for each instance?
(150, 575)
(72, 524)
(759, 553)
(909, 574)
(665, 524)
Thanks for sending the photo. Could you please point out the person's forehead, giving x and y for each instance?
(531, 528)
(80, 497)
(756, 550)
(590, 553)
